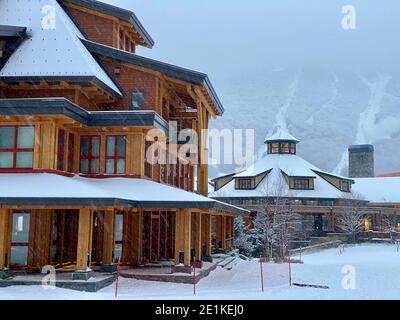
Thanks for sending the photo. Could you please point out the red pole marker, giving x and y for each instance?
(194, 278)
(290, 271)
(117, 280)
(262, 275)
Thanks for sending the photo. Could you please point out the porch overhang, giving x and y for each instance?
(45, 189)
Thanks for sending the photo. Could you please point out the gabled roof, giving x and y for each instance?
(280, 134)
(51, 52)
(62, 106)
(117, 12)
(169, 70)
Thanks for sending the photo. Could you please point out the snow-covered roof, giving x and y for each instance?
(275, 184)
(53, 49)
(385, 189)
(280, 134)
(54, 189)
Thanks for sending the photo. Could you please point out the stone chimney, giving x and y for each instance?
(361, 161)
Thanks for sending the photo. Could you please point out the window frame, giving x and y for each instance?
(71, 152)
(143, 93)
(61, 149)
(248, 184)
(90, 156)
(298, 179)
(15, 150)
(115, 157)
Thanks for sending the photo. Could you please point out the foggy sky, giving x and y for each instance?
(231, 37)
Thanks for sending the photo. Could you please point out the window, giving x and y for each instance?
(61, 150)
(244, 184)
(119, 229)
(71, 152)
(20, 239)
(274, 148)
(16, 147)
(345, 186)
(302, 184)
(284, 147)
(90, 154)
(116, 155)
(138, 99)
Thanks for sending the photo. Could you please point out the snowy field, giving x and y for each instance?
(373, 271)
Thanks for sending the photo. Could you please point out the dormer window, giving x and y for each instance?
(282, 147)
(244, 183)
(300, 183)
(345, 185)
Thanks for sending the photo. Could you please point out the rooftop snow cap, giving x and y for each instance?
(53, 51)
(280, 134)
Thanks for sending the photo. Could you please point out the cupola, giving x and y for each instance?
(281, 142)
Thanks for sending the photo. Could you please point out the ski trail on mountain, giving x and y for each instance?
(367, 123)
(334, 94)
(280, 119)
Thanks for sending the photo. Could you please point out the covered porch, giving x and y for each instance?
(85, 234)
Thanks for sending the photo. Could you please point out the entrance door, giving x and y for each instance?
(20, 239)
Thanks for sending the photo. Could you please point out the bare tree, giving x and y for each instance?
(351, 218)
(276, 223)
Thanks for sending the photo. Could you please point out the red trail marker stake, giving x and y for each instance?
(262, 275)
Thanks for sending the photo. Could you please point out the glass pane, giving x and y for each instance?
(6, 159)
(20, 229)
(26, 136)
(94, 168)
(119, 223)
(110, 146)
(110, 166)
(117, 252)
(24, 159)
(84, 146)
(19, 256)
(121, 146)
(95, 146)
(121, 166)
(7, 137)
(84, 166)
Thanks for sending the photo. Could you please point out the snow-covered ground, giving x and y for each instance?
(375, 266)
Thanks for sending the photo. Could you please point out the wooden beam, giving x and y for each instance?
(207, 233)
(137, 221)
(84, 249)
(198, 242)
(4, 238)
(108, 236)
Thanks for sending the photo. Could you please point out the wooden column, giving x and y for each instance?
(137, 237)
(207, 233)
(183, 235)
(108, 237)
(218, 227)
(198, 242)
(223, 233)
(135, 154)
(84, 239)
(4, 238)
(178, 234)
(187, 221)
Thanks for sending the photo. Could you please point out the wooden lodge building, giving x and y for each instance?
(76, 103)
(317, 195)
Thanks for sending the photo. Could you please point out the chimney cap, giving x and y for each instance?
(361, 148)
